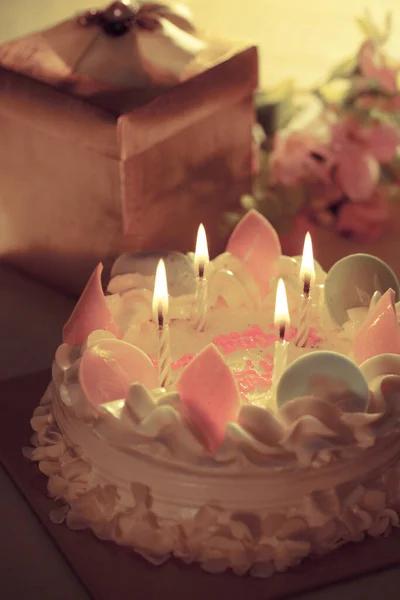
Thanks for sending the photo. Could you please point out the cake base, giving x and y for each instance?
(108, 570)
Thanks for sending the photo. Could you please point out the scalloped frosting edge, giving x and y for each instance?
(254, 542)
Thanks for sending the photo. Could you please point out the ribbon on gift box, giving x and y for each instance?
(157, 46)
(119, 17)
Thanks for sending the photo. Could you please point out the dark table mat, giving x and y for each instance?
(110, 572)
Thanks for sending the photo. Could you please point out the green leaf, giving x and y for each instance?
(372, 31)
(395, 166)
(278, 204)
(345, 69)
(275, 107)
(294, 198)
(280, 92)
(388, 118)
(369, 88)
(365, 28)
(334, 92)
(232, 218)
(388, 175)
(247, 201)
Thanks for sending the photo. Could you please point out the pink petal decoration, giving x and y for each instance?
(380, 333)
(256, 242)
(90, 313)
(209, 396)
(108, 369)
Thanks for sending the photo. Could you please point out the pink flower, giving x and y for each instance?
(364, 221)
(358, 172)
(297, 157)
(385, 104)
(382, 140)
(373, 65)
(359, 149)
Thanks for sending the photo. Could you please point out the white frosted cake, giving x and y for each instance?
(227, 443)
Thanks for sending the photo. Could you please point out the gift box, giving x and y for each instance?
(122, 129)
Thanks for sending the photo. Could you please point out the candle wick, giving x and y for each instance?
(282, 332)
(160, 318)
(201, 269)
(306, 287)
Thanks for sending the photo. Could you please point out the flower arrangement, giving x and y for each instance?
(336, 160)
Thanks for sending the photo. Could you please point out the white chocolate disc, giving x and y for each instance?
(352, 282)
(326, 375)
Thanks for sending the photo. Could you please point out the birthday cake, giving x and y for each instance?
(246, 418)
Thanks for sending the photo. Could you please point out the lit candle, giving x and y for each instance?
(282, 321)
(160, 313)
(307, 278)
(201, 259)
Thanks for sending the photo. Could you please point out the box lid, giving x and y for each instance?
(118, 58)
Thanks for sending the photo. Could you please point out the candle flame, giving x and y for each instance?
(160, 296)
(307, 269)
(282, 316)
(201, 257)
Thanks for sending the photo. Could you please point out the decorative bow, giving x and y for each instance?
(120, 17)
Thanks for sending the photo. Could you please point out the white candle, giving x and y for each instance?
(307, 278)
(160, 313)
(201, 259)
(282, 321)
